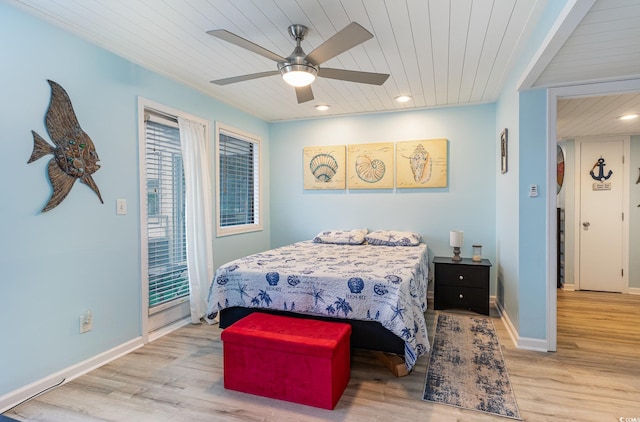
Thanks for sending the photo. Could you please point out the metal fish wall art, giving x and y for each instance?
(74, 155)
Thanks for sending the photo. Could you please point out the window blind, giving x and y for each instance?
(238, 169)
(166, 235)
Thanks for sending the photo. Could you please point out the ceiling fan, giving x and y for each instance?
(300, 69)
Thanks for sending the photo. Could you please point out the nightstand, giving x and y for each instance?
(461, 284)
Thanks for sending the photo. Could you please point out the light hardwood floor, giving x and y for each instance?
(594, 376)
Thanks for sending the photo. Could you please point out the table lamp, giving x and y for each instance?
(455, 241)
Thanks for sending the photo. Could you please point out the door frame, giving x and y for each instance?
(148, 334)
(626, 177)
(553, 94)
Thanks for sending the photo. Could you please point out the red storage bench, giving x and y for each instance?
(295, 359)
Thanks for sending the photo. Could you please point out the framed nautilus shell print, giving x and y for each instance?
(370, 166)
(324, 167)
(421, 164)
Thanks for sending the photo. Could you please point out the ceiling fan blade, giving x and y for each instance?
(227, 36)
(353, 76)
(348, 37)
(304, 94)
(234, 79)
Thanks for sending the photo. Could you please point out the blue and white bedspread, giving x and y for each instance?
(387, 284)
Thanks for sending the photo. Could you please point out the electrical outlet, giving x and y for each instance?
(86, 322)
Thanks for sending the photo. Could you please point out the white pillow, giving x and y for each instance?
(393, 238)
(344, 237)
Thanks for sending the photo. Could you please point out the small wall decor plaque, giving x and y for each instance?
(74, 155)
(504, 156)
(599, 186)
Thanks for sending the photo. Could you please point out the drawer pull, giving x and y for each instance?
(461, 277)
(461, 296)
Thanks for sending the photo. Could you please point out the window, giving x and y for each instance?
(168, 278)
(238, 182)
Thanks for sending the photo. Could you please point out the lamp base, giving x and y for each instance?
(456, 254)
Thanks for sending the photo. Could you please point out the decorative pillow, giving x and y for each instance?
(393, 238)
(346, 237)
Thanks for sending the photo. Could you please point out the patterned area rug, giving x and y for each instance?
(466, 367)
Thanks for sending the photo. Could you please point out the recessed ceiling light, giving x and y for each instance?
(403, 98)
(628, 117)
(322, 107)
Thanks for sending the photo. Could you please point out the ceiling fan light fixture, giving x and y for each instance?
(298, 74)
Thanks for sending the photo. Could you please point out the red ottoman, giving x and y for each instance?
(295, 359)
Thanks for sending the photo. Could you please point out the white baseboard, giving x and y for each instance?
(631, 291)
(526, 343)
(13, 398)
(511, 329)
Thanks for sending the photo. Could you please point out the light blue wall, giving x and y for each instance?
(515, 292)
(80, 255)
(468, 203)
(532, 272)
(507, 205)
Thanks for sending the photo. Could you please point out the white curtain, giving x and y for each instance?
(199, 216)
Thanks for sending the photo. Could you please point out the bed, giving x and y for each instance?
(375, 281)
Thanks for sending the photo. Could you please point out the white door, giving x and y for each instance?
(601, 216)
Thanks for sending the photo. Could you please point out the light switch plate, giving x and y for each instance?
(533, 191)
(121, 206)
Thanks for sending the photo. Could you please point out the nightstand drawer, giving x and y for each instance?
(463, 275)
(476, 300)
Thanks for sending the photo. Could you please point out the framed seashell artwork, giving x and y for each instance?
(324, 167)
(370, 166)
(422, 164)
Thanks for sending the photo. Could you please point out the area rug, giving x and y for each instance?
(466, 367)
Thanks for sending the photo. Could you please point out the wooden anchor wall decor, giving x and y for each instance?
(600, 177)
(74, 155)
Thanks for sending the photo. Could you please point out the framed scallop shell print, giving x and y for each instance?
(421, 164)
(370, 166)
(324, 167)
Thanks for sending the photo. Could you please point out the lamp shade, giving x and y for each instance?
(298, 74)
(455, 238)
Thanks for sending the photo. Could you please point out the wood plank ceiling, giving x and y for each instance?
(440, 52)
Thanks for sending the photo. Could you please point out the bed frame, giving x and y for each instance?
(367, 335)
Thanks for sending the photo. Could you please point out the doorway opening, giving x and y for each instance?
(554, 95)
